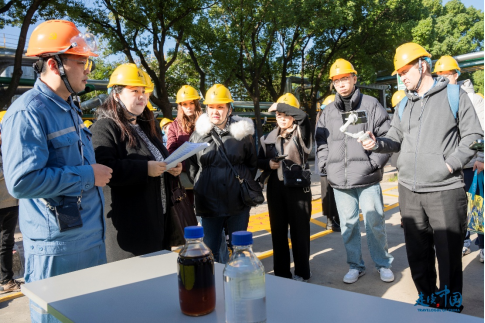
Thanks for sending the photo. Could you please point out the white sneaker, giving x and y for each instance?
(481, 256)
(386, 275)
(300, 279)
(353, 275)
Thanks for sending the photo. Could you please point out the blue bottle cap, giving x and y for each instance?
(242, 238)
(193, 232)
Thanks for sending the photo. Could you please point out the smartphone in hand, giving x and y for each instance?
(279, 158)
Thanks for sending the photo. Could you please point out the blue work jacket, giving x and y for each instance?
(43, 163)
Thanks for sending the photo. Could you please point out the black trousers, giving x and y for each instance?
(329, 207)
(8, 221)
(289, 206)
(434, 221)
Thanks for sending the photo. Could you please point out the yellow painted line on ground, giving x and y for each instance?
(390, 189)
(390, 207)
(320, 234)
(259, 222)
(269, 253)
(319, 223)
(387, 194)
(10, 296)
(265, 254)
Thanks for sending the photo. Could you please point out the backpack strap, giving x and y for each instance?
(454, 98)
(453, 91)
(402, 105)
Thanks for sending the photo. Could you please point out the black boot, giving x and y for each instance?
(333, 225)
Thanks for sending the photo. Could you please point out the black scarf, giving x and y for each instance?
(346, 101)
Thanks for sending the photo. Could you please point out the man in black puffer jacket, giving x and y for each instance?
(353, 172)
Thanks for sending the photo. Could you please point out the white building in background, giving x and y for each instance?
(27, 72)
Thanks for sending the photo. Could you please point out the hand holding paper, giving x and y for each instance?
(188, 149)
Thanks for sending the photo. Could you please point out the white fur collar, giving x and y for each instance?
(239, 128)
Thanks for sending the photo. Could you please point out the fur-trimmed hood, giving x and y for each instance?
(239, 127)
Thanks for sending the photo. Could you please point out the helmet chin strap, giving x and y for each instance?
(62, 71)
(124, 107)
(134, 115)
(227, 117)
(420, 69)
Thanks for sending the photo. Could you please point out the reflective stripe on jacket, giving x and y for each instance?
(42, 160)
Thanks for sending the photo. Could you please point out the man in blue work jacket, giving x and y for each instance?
(49, 161)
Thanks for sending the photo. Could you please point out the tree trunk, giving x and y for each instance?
(313, 111)
(257, 113)
(17, 69)
(162, 100)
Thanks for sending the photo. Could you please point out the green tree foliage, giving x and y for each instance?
(140, 30)
(451, 29)
(254, 46)
(21, 14)
(364, 32)
(477, 79)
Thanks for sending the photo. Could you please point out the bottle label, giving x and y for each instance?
(245, 298)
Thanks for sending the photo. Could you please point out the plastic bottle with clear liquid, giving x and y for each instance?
(195, 271)
(244, 282)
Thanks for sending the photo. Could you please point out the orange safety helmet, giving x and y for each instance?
(60, 37)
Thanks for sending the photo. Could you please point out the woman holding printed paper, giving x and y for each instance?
(217, 191)
(127, 139)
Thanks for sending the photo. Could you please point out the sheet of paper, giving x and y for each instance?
(188, 149)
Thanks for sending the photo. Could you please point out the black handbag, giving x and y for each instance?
(181, 213)
(297, 175)
(251, 192)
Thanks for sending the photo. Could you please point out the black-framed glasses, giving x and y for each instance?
(343, 80)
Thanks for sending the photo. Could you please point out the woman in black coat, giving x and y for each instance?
(127, 139)
(288, 205)
(217, 191)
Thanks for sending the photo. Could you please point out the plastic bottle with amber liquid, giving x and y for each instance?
(195, 271)
(244, 282)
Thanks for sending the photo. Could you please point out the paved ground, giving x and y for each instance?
(328, 259)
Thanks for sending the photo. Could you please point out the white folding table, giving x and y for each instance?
(145, 289)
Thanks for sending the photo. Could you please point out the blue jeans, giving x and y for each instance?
(371, 202)
(39, 267)
(213, 227)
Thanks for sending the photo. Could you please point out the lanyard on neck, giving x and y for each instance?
(78, 130)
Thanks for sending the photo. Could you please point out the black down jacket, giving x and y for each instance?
(341, 157)
(216, 189)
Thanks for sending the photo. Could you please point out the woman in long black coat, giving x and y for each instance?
(127, 139)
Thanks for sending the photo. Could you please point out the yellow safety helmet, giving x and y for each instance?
(397, 97)
(406, 54)
(187, 93)
(164, 122)
(329, 99)
(2, 113)
(290, 99)
(341, 66)
(128, 75)
(88, 123)
(150, 87)
(218, 93)
(446, 63)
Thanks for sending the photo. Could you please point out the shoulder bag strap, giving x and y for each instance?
(219, 144)
(299, 151)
